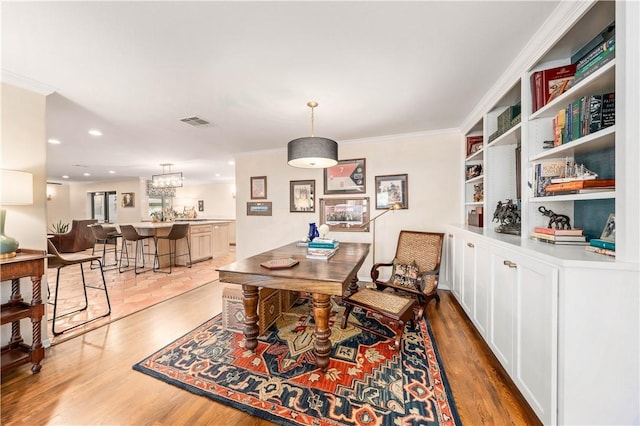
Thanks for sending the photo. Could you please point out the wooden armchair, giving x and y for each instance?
(417, 253)
(414, 276)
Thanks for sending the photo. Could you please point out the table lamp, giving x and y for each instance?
(17, 190)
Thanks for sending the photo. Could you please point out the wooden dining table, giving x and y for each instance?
(321, 278)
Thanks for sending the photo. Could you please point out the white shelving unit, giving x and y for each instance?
(547, 303)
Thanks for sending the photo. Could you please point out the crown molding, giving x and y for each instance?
(22, 82)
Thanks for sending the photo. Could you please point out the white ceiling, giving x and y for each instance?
(133, 69)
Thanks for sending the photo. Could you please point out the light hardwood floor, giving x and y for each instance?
(89, 379)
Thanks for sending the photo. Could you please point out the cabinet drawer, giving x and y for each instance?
(200, 229)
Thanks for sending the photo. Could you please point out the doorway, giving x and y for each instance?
(104, 206)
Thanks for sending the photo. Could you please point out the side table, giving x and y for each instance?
(26, 263)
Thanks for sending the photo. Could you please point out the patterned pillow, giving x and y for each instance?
(405, 275)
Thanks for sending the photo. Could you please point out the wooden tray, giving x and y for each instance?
(279, 263)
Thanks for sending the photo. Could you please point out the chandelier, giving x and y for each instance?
(166, 179)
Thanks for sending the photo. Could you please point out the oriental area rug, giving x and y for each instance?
(367, 382)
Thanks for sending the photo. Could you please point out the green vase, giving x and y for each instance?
(8, 245)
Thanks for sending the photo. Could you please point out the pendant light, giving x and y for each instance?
(312, 152)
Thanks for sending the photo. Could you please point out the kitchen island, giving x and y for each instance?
(207, 239)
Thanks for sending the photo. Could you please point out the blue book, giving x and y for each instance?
(596, 242)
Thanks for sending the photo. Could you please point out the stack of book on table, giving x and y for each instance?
(597, 245)
(559, 236)
(322, 248)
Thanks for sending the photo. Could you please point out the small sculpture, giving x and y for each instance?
(559, 221)
(508, 215)
(478, 192)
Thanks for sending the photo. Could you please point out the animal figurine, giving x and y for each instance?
(559, 221)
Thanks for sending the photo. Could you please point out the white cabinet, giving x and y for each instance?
(220, 239)
(524, 324)
(482, 283)
(468, 276)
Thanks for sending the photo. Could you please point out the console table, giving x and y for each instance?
(27, 263)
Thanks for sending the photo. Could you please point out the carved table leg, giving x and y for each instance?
(251, 329)
(353, 286)
(321, 305)
(37, 351)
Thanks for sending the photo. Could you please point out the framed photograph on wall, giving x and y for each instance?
(259, 188)
(391, 189)
(345, 214)
(348, 176)
(609, 231)
(262, 208)
(302, 196)
(200, 205)
(128, 199)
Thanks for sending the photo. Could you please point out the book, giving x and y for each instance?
(576, 117)
(597, 242)
(595, 113)
(553, 231)
(323, 244)
(601, 55)
(608, 109)
(557, 238)
(546, 171)
(545, 83)
(594, 249)
(561, 243)
(580, 184)
(604, 35)
(321, 253)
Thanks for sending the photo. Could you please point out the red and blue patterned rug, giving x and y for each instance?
(367, 382)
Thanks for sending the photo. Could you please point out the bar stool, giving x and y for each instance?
(106, 236)
(178, 232)
(130, 234)
(58, 261)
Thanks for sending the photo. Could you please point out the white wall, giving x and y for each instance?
(431, 161)
(219, 201)
(80, 204)
(23, 146)
(58, 208)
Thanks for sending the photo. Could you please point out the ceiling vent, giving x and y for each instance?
(195, 121)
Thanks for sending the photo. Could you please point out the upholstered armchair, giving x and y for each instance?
(77, 239)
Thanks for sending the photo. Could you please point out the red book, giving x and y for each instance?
(552, 231)
(550, 83)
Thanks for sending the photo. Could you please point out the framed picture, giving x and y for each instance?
(200, 205)
(348, 176)
(128, 199)
(609, 231)
(391, 189)
(345, 214)
(259, 188)
(255, 208)
(302, 196)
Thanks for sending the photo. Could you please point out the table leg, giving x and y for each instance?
(321, 309)
(251, 329)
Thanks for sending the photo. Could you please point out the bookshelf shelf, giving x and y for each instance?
(600, 81)
(575, 197)
(476, 156)
(510, 137)
(475, 179)
(603, 139)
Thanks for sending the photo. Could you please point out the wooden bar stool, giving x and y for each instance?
(58, 261)
(107, 237)
(178, 231)
(129, 234)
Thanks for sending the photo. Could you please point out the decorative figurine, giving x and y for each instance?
(478, 192)
(559, 221)
(508, 215)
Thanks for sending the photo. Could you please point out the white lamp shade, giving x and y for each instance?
(17, 188)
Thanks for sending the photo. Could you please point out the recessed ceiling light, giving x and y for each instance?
(65, 177)
(95, 132)
(217, 174)
(112, 171)
(54, 141)
(86, 174)
(231, 163)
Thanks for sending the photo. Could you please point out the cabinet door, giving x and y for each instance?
(482, 282)
(502, 292)
(536, 325)
(194, 245)
(468, 276)
(448, 261)
(457, 266)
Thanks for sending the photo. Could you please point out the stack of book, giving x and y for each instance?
(603, 52)
(581, 186)
(559, 236)
(597, 245)
(584, 116)
(322, 248)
